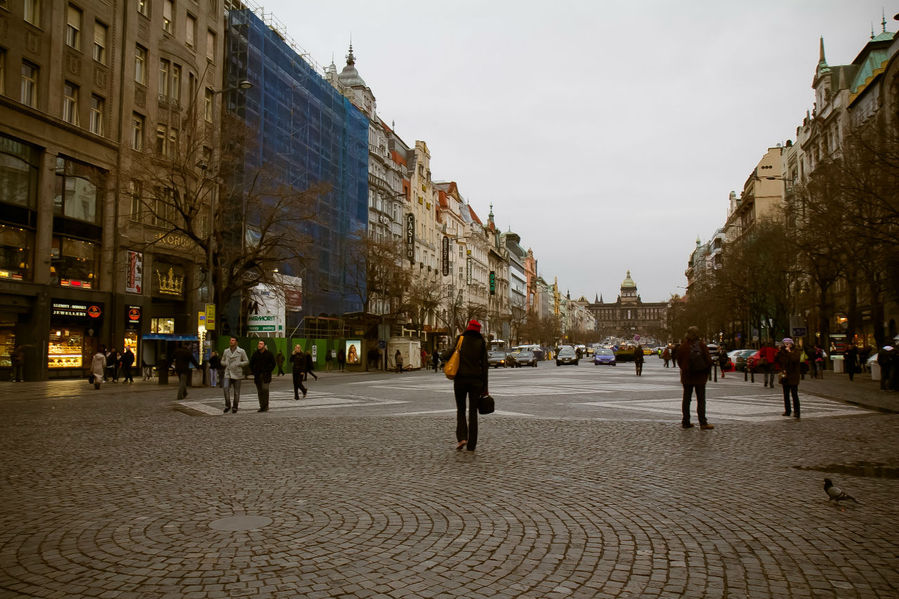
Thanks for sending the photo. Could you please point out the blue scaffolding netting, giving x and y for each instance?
(310, 134)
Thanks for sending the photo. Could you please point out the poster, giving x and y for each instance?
(353, 351)
(134, 276)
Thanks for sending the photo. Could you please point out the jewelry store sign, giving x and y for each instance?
(77, 310)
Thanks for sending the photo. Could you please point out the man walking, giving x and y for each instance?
(261, 365)
(234, 360)
(128, 365)
(695, 363)
(638, 359)
(183, 359)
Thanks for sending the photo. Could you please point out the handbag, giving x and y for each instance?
(452, 365)
(486, 405)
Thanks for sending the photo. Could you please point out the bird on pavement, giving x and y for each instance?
(834, 493)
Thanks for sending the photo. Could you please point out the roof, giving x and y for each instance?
(474, 216)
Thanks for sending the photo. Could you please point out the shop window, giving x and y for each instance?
(78, 191)
(164, 326)
(74, 263)
(15, 255)
(65, 348)
(7, 342)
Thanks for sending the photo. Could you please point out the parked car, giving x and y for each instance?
(497, 358)
(566, 355)
(524, 357)
(740, 356)
(604, 356)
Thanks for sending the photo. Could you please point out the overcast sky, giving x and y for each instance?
(607, 134)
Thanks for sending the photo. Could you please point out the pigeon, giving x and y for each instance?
(834, 493)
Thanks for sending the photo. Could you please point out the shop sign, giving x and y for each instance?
(133, 315)
(168, 279)
(446, 245)
(210, 317)
(134, 276)
(410, 237)
(76, 310)
(75, 283)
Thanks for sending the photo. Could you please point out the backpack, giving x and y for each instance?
(697, 361)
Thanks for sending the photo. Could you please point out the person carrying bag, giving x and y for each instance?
(469, 376)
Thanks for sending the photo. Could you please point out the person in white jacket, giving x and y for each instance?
(98, 367)
(234, 359)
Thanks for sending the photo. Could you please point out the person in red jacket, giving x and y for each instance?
(695, 363)
(767, 363)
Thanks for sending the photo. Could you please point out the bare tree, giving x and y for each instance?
(240, 222)
(376, 267)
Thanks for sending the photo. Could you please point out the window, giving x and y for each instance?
(143, 7)
(98, 106)
(15, 254)
(190, 33)
(168, 16)
(140, 64)
(137, 132)
(100, 33)
(33, 12)
(135, 188)
(73, 27)
(70, 103)
(166, 140)
(74, 263)
(208, 105)
(79, 188)
(29, 84)
(175, 91)
(210, 46)
(18, 173)
(165, 68)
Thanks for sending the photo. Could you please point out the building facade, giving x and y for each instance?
(629, 315)
(89, 91)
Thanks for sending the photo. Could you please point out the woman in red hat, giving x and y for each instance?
(471, 382)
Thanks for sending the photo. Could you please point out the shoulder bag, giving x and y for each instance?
(452, 365)
(486, 405)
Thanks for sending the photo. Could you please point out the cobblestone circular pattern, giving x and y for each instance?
(537, 512)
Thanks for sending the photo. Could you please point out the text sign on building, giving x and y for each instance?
(77, 310)
(446, 256)
(410, 237)
(267, 312)
(210, 317)
(133, 315)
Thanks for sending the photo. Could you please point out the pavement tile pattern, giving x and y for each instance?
(130, 496)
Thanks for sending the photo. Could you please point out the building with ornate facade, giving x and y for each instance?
(629, 315)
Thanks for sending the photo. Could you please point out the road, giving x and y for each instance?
(583, 485)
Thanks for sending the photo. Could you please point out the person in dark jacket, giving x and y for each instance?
(183, 359)
(215, 367)
(298, 367)
(851, 360)
(789, 358)
(261, 365)
(310, 364)
(128, 365)
(638, 359)
(470, 382)
(694, 372)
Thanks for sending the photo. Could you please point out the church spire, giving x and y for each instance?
(821, 60)
(350, 59)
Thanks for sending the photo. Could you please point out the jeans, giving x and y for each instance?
(213, 377)
(467, 429)
(227, 383)
(182, 384)
(700, 403)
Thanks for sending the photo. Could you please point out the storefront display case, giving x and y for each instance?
(65, 349)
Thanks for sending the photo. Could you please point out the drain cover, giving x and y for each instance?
(236, 523)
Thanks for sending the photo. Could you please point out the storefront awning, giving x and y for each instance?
(169, 337)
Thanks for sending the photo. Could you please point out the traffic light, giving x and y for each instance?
(492, 283)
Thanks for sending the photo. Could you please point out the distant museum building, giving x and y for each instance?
(629, 315)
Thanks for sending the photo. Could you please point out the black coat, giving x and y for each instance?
(261, 365)
(183, 359)
(473, 358)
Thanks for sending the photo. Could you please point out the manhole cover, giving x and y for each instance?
(235, 523)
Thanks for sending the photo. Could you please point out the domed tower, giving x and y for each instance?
(353, 86)
(629, 290)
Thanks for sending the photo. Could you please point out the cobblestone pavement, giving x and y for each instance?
(126, 494)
